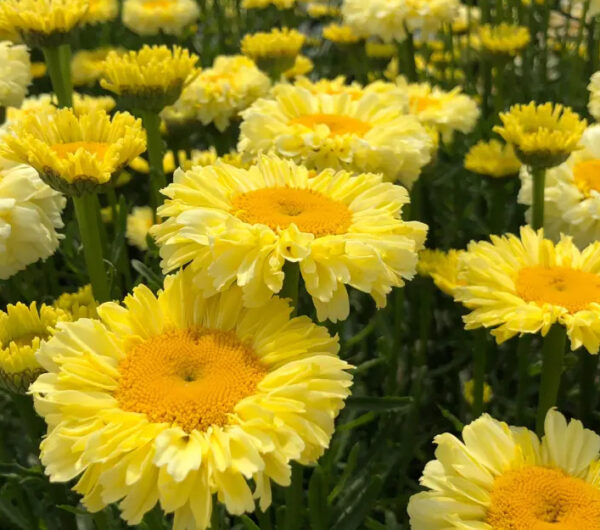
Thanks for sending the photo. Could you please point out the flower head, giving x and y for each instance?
(149, 17)
(75, 154)
(139, 222)
(369, 132)
(43, 22)
(101, 11)
(492, 159)
(383, 18)
(525, 284)
(506, 477)
(504, 39)
(340, 34)
(30, 214)
(148, 79)
(203, 394)
(273, 52)
(441, 267)
(86, 65)
(302, 66)
(594, 103)
(15, 74)
(543, 135)
(261, 4)
(340, 229)
(80, 304)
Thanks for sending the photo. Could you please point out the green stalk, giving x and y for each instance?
(497, 218)
(86, 211)
(523, 356)
(156, 151)
(553, 352)
(2, 115)
(407, 48)
(291, 284)
(587, 395)
(31, 421)
(537, 210)
(294, 497)
(58, 62)
(479, 361)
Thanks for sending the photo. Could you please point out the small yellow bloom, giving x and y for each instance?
(149, 79)
(468, 387)
(492, 159)
(542, 135)
(43, 22)
(594, 89)
(38, 69)
(149, 17)
(15, 73)
(101, 11)
(86, 65)
(340, 34)
(302, 66)
(80, 304)
(261, 4)
(273, 52)
(139, 222)
(316, 10)
(504, 39)
(441, 267)
(75, 154)
(141, 165)
(380, 50)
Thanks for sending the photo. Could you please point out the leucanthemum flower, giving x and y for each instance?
(189, 393)
(15, 74)
(100, 11)
(218, 94)
(442, 267)
(340, 34)
(370, 133)
(86, 65)
(30, 215)
(382, 18)
(42, 22)
(273, 52)
(543, 135)
(139, 222)
(504, 39)
(448, 112)
(241, 226)
(150, 78)
(515, 285)
(571, 193)
(22, 330)
(80, 304)
(149, 17)
(492, 159)
(75, 154)
(501, 477)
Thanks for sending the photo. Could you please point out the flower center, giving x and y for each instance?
(192, 378)
(420, 104)
(95, 148)
(337, 124)
(587, 176)
(309, 210)
(157, 4)
(570, 288)
(537, 498)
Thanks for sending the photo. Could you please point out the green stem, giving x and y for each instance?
(31, 421)
(479, 361)
(523, 357)
(58, 62)
(294, 497)
(154, 519)
(156, 150)
(361, 335)
(291, 284)
(86, 211)
(537, 210)
(409, 46)
(587, 396)
(215, 516)
(553, 352)
(2, 115)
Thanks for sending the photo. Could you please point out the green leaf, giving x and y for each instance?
(154, 280)
(386, 403)
(348, 470)
(457, 424)
(358, 422)
(318, 509)
(249, 523)
(355, 514)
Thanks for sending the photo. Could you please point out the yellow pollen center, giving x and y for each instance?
(570, 288)
(156, 4)
(309, 210)
(337, 124)
(192, 378)
(96, 148)
(538, 498)
(587, 176)
(420, 104)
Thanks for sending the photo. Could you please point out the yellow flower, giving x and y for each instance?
(316, 10)
(492, 159)
(468, 388)
(543, 135)
(504, 38)
(139, 222)
(80, 304)
(218, 94)
(448, 112)
(467, 18)
(340, 34)
(141, 165)
(150, 78)
(594, 103)
(22, 330)
(30, 214)
(441, 267)
(274, 52)
(241, 226)
(86, 65)
(209, 157)
(571, 193)
(302, 66)
(15, 73)
(42, 22)
(369, 133)
(149, 17)
(430, 15)
(525, 285)
(75, 154)
(177, 397)
(261, 4)
(379, 50)
(38, 69)
(101, 11)
(385, 19)
(504, 477)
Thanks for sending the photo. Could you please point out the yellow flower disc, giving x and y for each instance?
(191, 378)
(337, 125)
(70, 148)
(538, 497)
(587, 176)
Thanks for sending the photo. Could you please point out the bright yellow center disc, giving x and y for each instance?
(587, 176)
(191, 378)
(157, 4)
(96, 148)
(537, 498)
(337, 124)
(309, 210)
(570, 288)
(420, 104)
